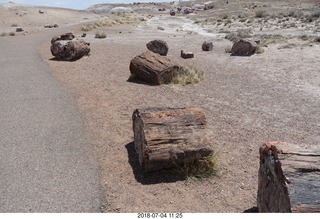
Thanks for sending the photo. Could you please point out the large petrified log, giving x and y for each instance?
(289, 178)
(164, 137)
(153, 68)
(244, 48)
(69, 49)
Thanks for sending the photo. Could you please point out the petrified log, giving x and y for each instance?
(164, 137)
(186, 55)
(158, 46)
(244, 48)
(69, 50)
(207, 46)
(153, 68)
(289, 178)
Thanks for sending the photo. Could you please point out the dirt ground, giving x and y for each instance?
(272, 96)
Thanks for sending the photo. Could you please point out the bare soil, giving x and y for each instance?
(273, 96)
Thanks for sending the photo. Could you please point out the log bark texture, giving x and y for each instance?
(289, 178)
(244, 48)
(164, 137)
(153, 68)
(69, 49)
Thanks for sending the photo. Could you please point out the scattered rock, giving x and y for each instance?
(158, 46)
(41, 12)
(160, 28)
(19, 29)
(172, 13)
(186, 55)
(51, 26)
(207, 46)
(84, 35)
(317, 40)
(244, 48)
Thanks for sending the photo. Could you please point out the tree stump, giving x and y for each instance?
(207, 46)
(289, 178)
(244, 48)
(153, 68)
(158, 46)
(164, 137)
(69, 50)
(186, 55)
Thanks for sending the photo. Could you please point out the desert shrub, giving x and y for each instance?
(225, 16)
(239, 34)
(243, 20)
(202, 168)
(228, 49)
(4, 34)
(14, 25)
(259, 50)
(100, 35)
(261, 14)
(227, 22)
(187, 75)
(12, 34)
(87, 27)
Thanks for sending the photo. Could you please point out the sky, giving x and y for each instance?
(75, 4)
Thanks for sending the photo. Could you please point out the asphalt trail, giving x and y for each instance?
(47, 164)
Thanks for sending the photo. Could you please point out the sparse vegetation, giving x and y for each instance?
(3, 34)
(12, 34)
(100, 35)
(261, 14)
(202, 168)
(187, 75)
(239, 34)
(14, 25)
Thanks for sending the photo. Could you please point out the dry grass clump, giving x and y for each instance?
(3, 34)
(239, 34)
(261, 14)
(14, 25)
(202, 168)
(12, 34)
(187, 75)
(100, 35)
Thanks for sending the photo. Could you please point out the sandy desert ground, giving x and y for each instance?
(270, 96)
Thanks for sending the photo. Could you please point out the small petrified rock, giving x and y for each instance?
(19, 29)
(186, 55)
(207, 46)
(158, 46)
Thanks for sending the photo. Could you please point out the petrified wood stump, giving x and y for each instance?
(164, 137)
(153, 68)
(158, 46)
(289, 178)
(244, 48)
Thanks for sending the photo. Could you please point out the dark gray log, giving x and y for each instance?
(289, 178)
(70, 50)
(164, 137)
(153, 68)
(158, 46)
(244, 48)
(207, 46)
(186, 55)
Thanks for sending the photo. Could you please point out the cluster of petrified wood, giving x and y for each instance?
(289, 175)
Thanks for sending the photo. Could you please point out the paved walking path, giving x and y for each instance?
(46, 162)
